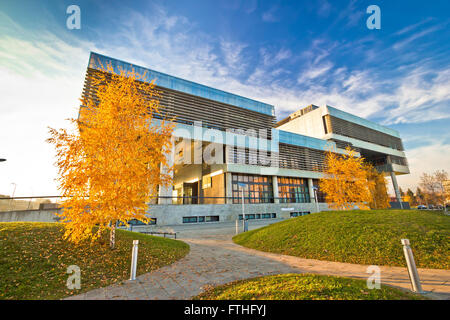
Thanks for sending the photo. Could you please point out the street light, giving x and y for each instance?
(242, 186)
(315, 197)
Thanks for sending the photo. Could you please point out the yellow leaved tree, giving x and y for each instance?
(378, 189)
(345, 183)
(109, 166)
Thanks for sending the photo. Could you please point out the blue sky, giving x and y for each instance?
(286, 53)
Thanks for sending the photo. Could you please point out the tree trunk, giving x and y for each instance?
(112, 235)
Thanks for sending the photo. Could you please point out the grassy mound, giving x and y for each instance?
(364, 237)
(303, 287)
(34, 260)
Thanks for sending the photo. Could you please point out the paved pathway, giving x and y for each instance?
(214, 259)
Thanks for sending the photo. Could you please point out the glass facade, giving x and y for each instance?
(253, 216)
(299, 214)
(300, 140)
(293, 190)
(320, 194)
(257, 189)
(198, 219)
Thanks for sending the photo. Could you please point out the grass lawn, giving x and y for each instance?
(363, 236)
(303, 287)
(34, 260)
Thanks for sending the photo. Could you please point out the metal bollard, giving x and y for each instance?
(237, 226)
(134, 256)
(412, 270)
(245, 225)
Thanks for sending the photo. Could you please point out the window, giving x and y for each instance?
(320, 194)
(194, 219)
(136, 222)
(293, 190)
(299, 214)
(206, 182)
(257, 189)
(190, 219)
(252, 216)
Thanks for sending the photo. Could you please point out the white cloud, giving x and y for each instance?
(399, 45)
(41, 79)
(324, 8)
(314, 72)
(270, 15)
(232, 53)
(422, 95)
(412, 27)
(429, 158)
(283, 54)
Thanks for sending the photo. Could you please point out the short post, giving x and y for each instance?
(242, 186)
(317, 200)
(412, 270)
(245, 225)
(134, 256)
(237, 226)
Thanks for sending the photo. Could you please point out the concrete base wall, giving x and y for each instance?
(29, 216)
(173, 214)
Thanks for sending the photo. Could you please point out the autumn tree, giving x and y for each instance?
(420, 197)
(346, 183)
(440, 176)
(400, 190)
(377, 188)
(109, 166)
(432, 186)
(410, 197)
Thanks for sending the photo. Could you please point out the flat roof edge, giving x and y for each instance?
(361, 121)
(183, 85)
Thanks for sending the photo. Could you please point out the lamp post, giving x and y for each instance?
(242, 186)
(315, 197)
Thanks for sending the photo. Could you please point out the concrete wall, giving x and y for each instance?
(309, 124)
(29, 215)
(173, 214)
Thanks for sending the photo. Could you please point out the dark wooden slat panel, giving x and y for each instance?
(356, 131)
(188, 108)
